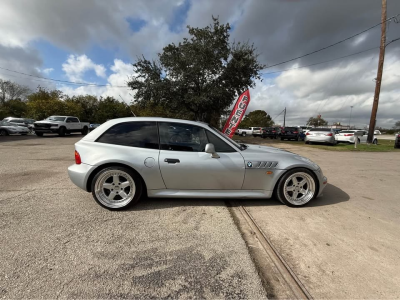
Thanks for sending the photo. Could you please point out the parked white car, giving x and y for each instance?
(61, 125)
(347, 136)
(254, 131)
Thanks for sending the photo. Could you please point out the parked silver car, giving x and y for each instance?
(7, 128)
(124, 159)
(321, 135)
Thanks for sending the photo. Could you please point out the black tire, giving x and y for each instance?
(24, 134)
(375, 142)
(359, 141)
(282, 139)
(243, 133)
(254, 135)
(3, 132)
(85, 130)
(279, 190)
(136, 178)
(62, 131)
(307, 142)
(39, 133)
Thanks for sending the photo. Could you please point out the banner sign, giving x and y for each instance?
(237, 114)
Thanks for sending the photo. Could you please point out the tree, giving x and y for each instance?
(11, 91)
(396, 125)
(198, 78)
(110, 108)
(45, 103)
(257, 118)
(88, 106)
(316, 122)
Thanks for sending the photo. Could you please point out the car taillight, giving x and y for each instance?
(349, 134)
(329, 134)
(273, 131)
(77, 158)
(283, 131)
(308, 133)
(295, 132)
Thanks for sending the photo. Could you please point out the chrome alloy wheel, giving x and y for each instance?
(115, 188)
(299, 188)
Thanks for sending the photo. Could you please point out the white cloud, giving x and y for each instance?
(76, 66)
(47, 71)
(121, 73)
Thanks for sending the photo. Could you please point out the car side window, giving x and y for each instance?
(182, 137)
(219, 145)
(74, 120)
(132, 134)
(69, 120)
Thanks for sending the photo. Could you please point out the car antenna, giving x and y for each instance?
(127, 106)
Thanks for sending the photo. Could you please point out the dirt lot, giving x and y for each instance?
(57, 242)
(345, 244)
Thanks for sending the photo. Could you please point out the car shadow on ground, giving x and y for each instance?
(331, 195)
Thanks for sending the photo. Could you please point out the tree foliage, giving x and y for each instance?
(317, 122)
(257, 118)
(11, 91)
(396, 125)
(199, 77)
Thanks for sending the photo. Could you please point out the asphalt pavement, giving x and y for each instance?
(56, 242)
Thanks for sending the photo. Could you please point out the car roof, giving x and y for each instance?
(155, 119)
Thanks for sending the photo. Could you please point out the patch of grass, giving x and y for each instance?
(383, 145)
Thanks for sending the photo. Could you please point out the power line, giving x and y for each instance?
(322, 62)
(65, 81)
(334, 44)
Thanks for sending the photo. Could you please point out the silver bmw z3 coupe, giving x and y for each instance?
(125, 159)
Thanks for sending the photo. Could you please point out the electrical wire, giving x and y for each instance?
(66, 81)
(334, 44)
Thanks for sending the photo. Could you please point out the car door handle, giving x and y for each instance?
(172, 160)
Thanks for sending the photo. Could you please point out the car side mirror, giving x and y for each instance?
(211, 149)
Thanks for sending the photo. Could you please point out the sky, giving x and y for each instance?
(97, 41)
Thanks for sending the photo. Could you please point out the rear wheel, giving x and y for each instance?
(116, 187)
(39, 133)
(243, 133)
(375, 142)
(297, 187)
(3, 132)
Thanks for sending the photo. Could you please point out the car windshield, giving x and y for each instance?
(240, 146)
(58, 119)
(291, 128)
(30, 121)
(3, 123)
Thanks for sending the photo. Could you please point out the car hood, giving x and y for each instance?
(48, 122)
(251, 149)
(285, 159)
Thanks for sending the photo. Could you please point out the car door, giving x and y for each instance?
(364, 137)
(184, 164)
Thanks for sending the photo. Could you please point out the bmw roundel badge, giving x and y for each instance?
(249, 164)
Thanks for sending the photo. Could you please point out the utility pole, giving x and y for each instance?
(372, 121)
(351, 110)
(284, 118)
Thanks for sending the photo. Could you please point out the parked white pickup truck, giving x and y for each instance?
(254, 131)
(61, 125)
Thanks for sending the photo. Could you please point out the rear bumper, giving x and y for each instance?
(320, 139)
(79, 174)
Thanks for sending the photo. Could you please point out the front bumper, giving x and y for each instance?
(79, 174)
(322, 180)
(46, 130)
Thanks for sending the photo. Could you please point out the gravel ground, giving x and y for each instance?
(56, 242)
(344, 245)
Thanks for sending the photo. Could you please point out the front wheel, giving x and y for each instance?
(243, 133)
(85, 131)
(297, 187)
(116, 187)
(39, 133)
(61, 131)
(3, 132)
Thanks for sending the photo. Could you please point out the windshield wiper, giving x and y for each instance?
(243, 147)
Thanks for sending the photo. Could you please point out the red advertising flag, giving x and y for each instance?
(237, 114)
